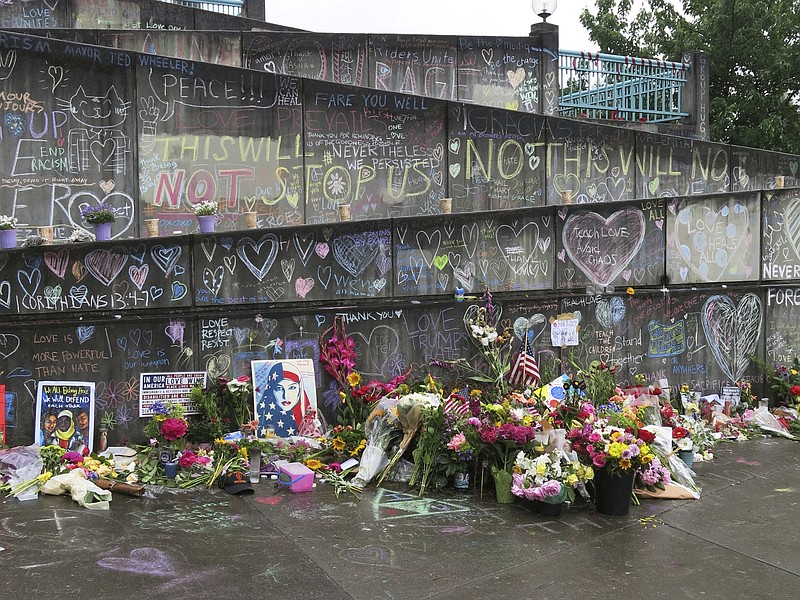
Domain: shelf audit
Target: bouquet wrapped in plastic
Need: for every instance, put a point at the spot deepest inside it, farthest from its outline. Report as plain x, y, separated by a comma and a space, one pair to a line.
21, 471
382, 423
682, 483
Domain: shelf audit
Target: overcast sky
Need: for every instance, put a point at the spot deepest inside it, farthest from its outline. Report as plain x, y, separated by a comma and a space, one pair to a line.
511, 18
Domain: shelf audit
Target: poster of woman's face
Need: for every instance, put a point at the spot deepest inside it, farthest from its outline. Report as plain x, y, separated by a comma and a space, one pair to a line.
286, 400
65, 414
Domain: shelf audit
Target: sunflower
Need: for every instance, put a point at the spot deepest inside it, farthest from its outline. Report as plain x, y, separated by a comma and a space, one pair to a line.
338, 444
354, 378
313, 464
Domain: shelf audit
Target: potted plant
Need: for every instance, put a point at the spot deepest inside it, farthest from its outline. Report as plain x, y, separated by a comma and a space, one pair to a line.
100, 216
616, 454
8, 232
206, 214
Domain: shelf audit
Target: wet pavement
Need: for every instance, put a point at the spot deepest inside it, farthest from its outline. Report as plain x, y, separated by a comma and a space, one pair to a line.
737, 540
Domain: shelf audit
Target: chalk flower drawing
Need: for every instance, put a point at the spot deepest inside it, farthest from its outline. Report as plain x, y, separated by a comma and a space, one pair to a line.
336, 185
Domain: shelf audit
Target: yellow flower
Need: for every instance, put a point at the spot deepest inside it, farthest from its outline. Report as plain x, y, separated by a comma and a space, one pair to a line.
361, 445
793, 371
474, 392
588, 473
338, 444
615, 435
354, 379
243, 452
91, 463
625, 463
44, 477
616, 449
313, 464
541, 469
527, 420
630, 291
343, 397
644, 449
104, 470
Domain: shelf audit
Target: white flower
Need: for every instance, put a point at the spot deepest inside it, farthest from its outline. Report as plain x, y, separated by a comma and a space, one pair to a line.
8, 222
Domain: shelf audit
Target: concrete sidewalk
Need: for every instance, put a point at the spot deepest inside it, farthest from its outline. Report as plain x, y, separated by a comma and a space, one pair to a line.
737, 540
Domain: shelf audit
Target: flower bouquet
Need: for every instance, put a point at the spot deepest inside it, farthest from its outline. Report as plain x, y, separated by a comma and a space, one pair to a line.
552, 477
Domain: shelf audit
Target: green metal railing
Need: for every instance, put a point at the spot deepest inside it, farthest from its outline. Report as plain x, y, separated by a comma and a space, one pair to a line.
228, 7
605, 86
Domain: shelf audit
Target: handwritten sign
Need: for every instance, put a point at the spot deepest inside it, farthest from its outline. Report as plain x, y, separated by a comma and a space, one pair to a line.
564, 332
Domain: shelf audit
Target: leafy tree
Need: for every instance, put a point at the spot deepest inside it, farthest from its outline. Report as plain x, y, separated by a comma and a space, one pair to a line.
754, 51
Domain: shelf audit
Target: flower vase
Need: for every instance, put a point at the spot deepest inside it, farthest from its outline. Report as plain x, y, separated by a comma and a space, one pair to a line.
547, 509
171, 469
255, 465
461, 480
502, 486
687, 456
102, 231
8, 238
206, 223
613, 491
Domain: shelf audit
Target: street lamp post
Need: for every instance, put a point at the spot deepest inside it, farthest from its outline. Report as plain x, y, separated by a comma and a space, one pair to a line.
544, 8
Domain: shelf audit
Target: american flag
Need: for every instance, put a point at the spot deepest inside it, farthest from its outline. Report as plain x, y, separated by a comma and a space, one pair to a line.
524, 371
456, 405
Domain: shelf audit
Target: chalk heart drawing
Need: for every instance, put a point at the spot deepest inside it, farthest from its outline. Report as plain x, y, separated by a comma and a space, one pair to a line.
5, 294
9, 343
150, 561
355, 251
465, 275
322, 249
614, 242
511, 237
732, 331
105, 265
791, 215
258, 256
711, 241
567, 183
377, 348
304, 244
85, 333
138, 275
610, 311
213, 279
179, 290
471, 236
218, 365
57, 262
531, 326
374, 556
428, 244
165, 257
303, 286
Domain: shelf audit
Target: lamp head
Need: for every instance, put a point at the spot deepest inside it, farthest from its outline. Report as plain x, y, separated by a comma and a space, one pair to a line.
544, 8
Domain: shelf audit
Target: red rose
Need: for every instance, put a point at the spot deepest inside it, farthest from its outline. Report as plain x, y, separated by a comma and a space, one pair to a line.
678, 433
646, 436
795, 390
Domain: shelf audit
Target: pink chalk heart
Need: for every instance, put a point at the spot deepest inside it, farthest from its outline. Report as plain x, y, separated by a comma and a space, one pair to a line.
322, 249
303, 286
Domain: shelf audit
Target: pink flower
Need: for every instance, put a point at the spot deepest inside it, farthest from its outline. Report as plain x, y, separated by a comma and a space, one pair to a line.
335, 467
550, 488
474, 421
173, 429
243, 379
72, 457
599, 460
187, 460
595, 437
456, 442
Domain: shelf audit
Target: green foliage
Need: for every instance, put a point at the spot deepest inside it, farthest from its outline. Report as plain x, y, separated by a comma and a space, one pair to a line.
753, 48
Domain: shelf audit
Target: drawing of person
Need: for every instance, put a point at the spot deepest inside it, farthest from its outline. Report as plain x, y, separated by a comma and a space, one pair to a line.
284, 401
82, 421
49, 422
311, 425
65, 434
